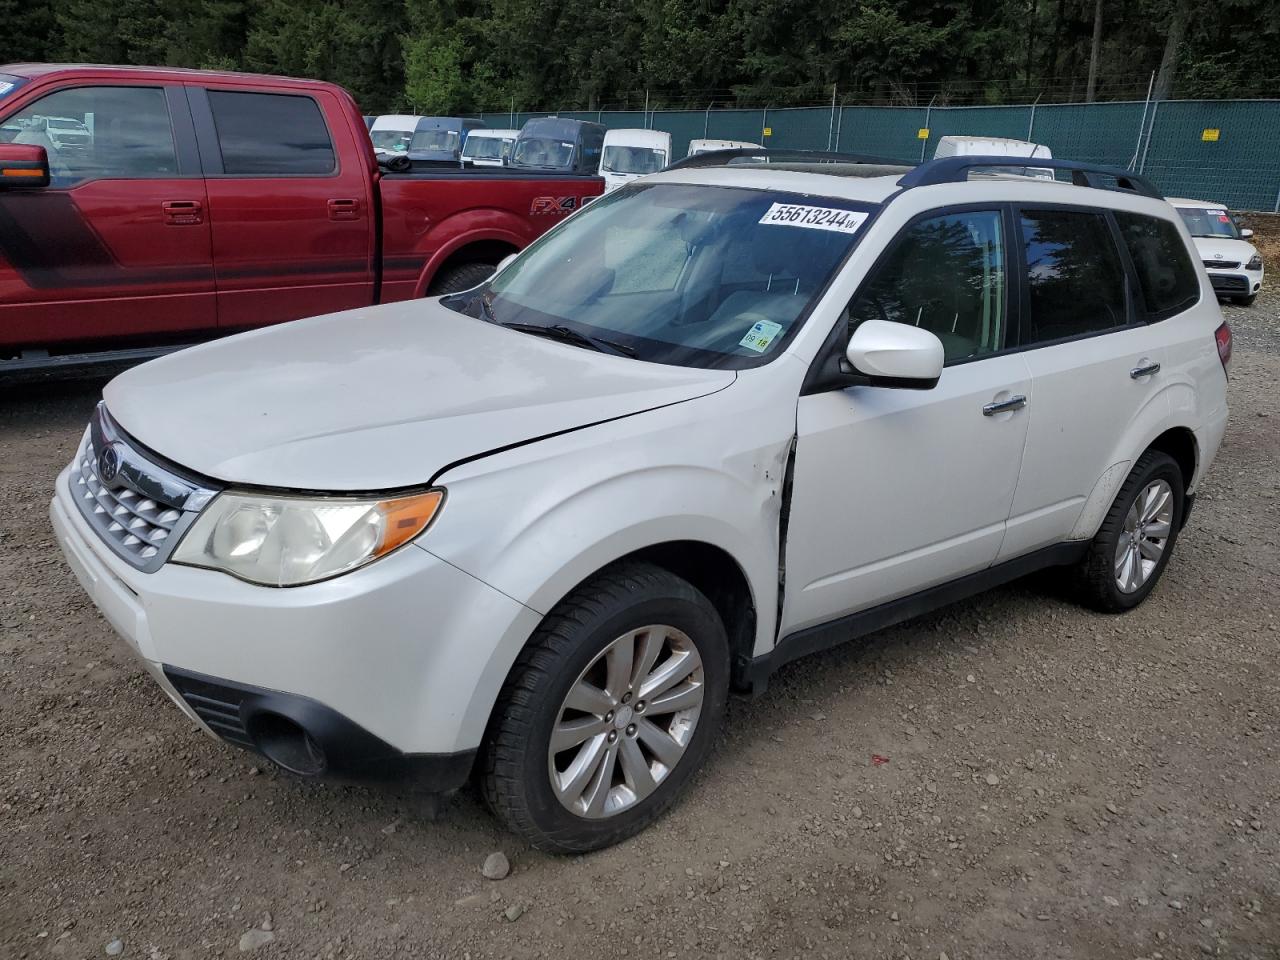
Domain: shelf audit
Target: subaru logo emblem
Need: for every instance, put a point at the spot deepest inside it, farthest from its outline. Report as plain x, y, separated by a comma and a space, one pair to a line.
108, 464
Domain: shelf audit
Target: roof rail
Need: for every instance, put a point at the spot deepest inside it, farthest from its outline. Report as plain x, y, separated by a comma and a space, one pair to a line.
1096, 175
724, 158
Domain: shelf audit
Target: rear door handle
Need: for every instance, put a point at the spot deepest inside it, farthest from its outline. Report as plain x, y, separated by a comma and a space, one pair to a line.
1016, 402
1145, 368
183, 213
344, 209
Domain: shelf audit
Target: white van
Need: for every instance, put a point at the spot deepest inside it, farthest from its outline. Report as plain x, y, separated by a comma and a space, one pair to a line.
996, 147
391, 134
706, 146
630, 154
488, 148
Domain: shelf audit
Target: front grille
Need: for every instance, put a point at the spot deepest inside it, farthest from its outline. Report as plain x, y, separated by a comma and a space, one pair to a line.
139, 508
1229, 283
1222, 264
214, 703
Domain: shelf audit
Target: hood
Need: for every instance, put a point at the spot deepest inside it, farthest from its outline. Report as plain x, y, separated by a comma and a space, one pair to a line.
1223, 248
378, 398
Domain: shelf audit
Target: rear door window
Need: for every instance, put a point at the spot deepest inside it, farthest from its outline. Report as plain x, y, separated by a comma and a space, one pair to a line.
1076, 283
271, 135
1166, 273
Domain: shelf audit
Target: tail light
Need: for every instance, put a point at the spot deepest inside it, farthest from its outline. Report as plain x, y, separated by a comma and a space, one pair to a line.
1222, 337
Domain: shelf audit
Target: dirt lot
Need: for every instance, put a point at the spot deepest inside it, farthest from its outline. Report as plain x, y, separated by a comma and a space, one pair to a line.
1058, 784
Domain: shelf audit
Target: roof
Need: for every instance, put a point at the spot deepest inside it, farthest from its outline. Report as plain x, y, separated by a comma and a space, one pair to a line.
637, 137
1184, 202
35, 71
818, 179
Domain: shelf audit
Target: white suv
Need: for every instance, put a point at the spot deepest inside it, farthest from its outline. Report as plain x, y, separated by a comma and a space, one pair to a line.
719, 419
1234, 264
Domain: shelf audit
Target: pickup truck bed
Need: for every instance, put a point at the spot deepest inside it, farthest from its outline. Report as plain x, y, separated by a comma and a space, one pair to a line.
205, 203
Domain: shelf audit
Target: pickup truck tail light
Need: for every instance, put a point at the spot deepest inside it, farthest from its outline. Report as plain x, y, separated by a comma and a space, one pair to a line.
1222, 337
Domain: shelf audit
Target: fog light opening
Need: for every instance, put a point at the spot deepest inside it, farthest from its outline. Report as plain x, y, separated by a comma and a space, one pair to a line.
287, 745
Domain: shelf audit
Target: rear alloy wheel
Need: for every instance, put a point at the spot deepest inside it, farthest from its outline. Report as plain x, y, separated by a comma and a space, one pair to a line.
1133, 545
608, 711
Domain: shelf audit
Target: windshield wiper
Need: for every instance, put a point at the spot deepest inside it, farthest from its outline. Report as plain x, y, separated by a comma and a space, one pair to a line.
566, 334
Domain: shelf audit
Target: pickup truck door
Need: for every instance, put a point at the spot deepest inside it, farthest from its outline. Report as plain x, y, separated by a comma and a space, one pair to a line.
290, 203
896, 490
118, 245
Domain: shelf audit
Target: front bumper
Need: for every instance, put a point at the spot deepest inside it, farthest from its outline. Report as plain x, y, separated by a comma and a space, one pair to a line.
1235, 283
392, 664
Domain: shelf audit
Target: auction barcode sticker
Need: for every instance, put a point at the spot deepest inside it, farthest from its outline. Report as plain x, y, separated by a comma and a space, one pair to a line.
814, 218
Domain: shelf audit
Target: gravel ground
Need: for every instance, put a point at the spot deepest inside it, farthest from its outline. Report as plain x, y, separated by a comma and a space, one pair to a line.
1058, 783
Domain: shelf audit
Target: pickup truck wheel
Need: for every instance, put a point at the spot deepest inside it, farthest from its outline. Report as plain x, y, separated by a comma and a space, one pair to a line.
1133, 545
462, 277
608, 711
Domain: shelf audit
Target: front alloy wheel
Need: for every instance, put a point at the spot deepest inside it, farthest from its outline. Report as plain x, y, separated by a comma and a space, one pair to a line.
608, 711
626, 721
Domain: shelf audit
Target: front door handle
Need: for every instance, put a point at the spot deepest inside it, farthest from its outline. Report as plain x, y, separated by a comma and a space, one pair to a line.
183, 213
1145, 368
344, 209
1016, 402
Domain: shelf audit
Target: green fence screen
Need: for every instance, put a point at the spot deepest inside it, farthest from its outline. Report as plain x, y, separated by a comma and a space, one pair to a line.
1226, 151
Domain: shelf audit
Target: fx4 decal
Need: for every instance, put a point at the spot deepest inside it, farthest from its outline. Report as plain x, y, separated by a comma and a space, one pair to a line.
554, 205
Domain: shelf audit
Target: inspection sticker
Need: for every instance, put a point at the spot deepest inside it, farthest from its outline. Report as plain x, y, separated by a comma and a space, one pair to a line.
814, 218
761, 334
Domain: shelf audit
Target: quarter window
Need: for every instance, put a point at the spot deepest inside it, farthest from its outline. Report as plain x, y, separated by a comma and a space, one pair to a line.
1075, 282
1165, 272
945, 275
270, 134
96, 133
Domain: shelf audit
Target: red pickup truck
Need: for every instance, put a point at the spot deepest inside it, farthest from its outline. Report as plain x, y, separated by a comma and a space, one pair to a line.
142, 208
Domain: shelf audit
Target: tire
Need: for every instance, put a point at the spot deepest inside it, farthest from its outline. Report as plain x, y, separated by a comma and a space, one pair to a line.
571, 650
1100, 573
462, 277
1244, 301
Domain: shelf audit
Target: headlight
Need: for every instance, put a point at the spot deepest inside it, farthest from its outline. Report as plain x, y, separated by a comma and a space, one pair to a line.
286, 541
1255, 263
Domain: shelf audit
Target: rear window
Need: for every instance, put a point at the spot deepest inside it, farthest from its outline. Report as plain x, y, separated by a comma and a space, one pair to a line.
1166, 273
1075, 283
270, 134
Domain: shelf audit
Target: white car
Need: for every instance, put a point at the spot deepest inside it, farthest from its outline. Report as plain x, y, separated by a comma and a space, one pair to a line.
697, 147
1233, 263
631, 154
488, 148
538, 530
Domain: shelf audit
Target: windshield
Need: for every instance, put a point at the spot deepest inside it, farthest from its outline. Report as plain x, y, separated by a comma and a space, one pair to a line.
692, 275
639, 160
431, 141
393, 141
485, 148
1209, 222
541, 152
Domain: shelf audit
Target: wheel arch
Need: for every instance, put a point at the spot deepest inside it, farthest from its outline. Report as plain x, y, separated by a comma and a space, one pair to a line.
477, 246
709, 567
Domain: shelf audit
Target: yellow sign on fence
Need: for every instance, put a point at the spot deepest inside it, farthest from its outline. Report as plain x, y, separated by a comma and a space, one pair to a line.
922, 133
768, 131
1210, 134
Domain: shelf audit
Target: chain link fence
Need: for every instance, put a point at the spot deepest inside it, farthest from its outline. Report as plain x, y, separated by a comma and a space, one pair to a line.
1226, 151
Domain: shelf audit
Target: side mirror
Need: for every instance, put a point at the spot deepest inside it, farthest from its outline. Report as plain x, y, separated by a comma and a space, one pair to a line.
895, 355
1246, 233
23, 166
